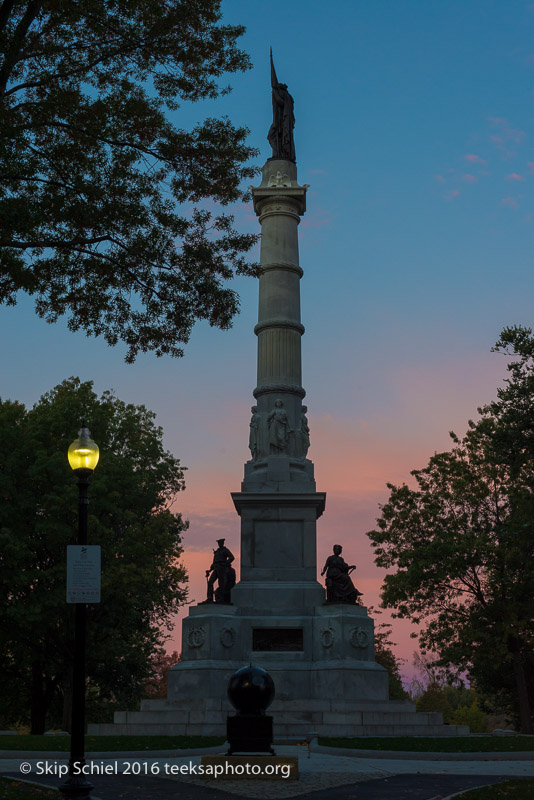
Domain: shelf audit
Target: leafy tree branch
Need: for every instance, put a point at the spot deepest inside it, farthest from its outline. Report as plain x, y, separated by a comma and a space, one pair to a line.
99, 183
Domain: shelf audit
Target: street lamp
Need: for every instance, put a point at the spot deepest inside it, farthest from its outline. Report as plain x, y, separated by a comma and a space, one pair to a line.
83, 458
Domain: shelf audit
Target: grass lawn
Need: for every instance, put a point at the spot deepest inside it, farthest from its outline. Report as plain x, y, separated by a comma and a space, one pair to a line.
522, 789
97, 744
454, 744
101, 744
12, 790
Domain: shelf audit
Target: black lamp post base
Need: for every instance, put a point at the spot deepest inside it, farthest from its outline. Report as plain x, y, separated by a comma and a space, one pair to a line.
76, 786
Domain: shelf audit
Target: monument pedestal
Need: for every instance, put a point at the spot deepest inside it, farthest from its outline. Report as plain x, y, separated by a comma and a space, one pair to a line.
324, 651
279, 619
325, 676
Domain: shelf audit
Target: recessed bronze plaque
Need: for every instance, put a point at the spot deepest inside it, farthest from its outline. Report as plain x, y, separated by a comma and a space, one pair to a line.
281, 639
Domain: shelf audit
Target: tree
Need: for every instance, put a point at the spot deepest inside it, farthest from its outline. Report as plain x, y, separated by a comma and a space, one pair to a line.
92, 167
385, 656
437, 691
142, 578
462, 543
157, 684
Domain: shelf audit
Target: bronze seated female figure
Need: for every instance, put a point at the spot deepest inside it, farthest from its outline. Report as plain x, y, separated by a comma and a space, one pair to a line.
339, 586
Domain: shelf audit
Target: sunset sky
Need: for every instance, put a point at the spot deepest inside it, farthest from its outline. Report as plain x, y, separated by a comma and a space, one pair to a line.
415, 131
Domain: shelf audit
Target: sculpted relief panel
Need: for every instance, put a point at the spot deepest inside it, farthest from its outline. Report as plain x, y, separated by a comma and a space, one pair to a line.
271, 433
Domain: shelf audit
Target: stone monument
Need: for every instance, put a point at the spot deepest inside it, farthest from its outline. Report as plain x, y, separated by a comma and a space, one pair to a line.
320, 654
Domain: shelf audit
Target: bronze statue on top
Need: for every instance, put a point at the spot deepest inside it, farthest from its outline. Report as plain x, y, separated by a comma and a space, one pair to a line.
280, 134
339, 586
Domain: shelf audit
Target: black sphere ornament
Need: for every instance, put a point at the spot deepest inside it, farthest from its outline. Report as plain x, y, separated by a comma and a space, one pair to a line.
251, 690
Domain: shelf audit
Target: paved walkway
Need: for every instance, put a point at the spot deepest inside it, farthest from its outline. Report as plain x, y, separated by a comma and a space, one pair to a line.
398, 787
322, 775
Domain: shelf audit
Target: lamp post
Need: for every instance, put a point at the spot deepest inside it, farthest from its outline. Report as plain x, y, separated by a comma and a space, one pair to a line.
83, 458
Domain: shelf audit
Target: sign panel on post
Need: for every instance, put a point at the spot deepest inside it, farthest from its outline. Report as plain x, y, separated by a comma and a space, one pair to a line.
83, 573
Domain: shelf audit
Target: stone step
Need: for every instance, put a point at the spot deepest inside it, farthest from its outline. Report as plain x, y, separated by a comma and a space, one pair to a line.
130, 729
187, 704
156, 705
397, 717
280, 706
281, 729
388, 706
349, 730
385, 729
156, 729
284, 716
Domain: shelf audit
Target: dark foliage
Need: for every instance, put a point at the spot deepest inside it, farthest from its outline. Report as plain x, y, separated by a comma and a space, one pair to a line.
129, 516
93, 171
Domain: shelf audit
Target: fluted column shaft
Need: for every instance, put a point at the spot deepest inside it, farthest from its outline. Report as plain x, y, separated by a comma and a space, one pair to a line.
279, 433
279, 328
279, 203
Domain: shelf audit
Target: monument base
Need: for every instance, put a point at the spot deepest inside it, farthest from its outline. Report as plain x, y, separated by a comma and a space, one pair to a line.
326, 678
291, 719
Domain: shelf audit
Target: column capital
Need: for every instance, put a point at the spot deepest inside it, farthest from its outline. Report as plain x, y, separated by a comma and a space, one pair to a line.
279, 184
289, 196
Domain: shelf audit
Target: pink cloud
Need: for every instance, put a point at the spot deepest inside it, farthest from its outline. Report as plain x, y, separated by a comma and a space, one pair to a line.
439, 178
469, 178
505, 135
473, 159
531, 166
452, 194
510, 202
513, 176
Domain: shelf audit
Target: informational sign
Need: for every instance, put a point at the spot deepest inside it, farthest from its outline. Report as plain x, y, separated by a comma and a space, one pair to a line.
83, 573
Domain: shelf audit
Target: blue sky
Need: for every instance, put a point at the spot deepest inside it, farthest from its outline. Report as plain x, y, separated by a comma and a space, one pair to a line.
415, 130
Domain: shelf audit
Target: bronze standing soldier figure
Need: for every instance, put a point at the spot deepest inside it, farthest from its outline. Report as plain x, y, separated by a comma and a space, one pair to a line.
221, 570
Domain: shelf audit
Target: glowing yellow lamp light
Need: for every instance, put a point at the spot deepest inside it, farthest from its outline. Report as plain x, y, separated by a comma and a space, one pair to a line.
83, 452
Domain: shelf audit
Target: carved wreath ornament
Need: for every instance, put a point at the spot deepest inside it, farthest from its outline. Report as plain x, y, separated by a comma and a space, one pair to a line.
358, 637
227, 637
327, 637
196, 637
